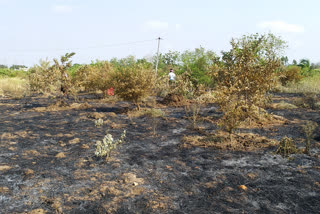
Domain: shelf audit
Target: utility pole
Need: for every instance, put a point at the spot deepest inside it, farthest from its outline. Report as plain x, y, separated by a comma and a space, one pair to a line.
158, 55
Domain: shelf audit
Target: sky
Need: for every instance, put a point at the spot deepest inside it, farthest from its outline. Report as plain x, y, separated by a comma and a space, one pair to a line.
31, 30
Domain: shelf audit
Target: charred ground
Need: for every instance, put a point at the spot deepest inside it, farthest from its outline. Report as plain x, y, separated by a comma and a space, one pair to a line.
47, 161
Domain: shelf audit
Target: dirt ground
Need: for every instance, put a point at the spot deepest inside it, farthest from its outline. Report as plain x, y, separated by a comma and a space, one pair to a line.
47, 161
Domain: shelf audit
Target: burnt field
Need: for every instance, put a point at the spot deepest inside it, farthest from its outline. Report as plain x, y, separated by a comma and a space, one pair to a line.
165, 165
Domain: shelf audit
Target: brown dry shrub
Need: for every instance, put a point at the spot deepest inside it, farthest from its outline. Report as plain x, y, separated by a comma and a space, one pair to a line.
287, 147
132, 83
225, 141
290, 74
42, 79
244, 75
53, 79
94, 77
308, 100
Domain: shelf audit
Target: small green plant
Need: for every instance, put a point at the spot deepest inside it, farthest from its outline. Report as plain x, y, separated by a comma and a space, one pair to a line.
98, 122
308, 130
287, 147
104, 147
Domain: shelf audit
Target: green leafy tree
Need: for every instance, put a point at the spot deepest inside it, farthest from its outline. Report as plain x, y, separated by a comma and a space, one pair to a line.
167, 60
17, 67
197, 63
294, 62
285, 60
304, 64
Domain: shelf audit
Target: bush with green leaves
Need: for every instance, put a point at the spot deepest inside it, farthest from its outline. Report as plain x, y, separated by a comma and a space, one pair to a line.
6, 72
193, 64
244, 75
197, 64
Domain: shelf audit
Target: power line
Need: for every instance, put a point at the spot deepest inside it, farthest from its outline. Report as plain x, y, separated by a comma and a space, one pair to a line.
158, 54
85, 48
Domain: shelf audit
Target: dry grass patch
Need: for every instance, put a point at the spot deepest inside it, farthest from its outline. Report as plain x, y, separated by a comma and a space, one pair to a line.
308, 100
13, 87
62, 106
152, 112
225, 141
5, 168
307, 85
264, 120
283, 105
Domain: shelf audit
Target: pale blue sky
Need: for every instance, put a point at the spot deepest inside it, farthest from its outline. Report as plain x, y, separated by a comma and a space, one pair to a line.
35, 29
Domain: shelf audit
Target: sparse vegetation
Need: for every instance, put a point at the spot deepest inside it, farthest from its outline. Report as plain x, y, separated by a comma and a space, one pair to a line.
105, 147
308, 129
287, 147
98, 123
192, 112
52, 138
308, 100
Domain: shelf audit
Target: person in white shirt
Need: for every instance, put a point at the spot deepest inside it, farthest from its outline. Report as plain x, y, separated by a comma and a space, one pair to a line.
172, 76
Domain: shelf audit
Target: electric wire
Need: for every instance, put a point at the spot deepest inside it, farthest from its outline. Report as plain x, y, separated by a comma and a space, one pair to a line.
84, 48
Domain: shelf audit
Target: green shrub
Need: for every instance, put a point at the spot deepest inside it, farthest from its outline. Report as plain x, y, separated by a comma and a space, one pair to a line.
5, 72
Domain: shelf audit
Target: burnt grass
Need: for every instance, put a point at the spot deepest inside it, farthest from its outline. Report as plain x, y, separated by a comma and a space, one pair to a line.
47, 162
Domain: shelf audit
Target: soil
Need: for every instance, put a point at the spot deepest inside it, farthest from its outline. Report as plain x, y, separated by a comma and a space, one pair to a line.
48, 165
